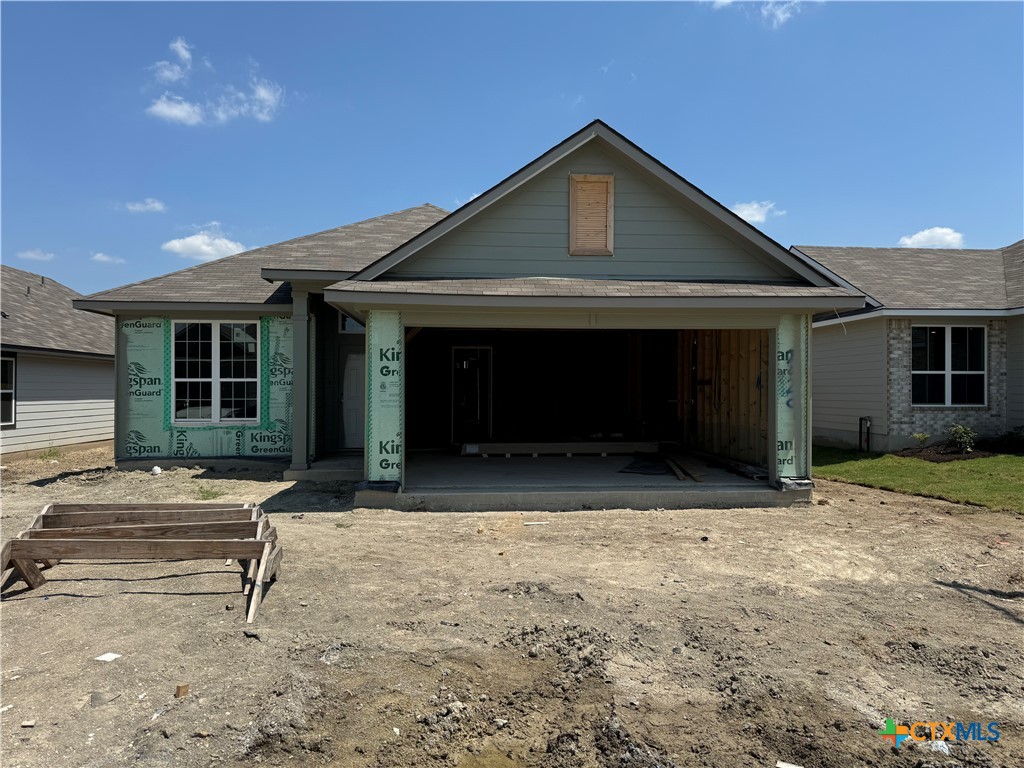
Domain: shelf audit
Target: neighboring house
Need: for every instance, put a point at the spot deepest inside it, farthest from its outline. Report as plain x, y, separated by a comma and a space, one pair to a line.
940, 342
57, 363
593, 295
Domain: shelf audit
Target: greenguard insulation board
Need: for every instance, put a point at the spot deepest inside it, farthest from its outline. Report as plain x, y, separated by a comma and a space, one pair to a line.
385, 340
145, 392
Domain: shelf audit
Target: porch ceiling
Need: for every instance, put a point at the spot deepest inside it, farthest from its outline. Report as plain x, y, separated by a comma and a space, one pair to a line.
577, 293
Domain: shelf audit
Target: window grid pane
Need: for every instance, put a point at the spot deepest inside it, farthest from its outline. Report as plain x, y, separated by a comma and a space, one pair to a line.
968, 389
928, 348
216, 383
929, 389
6, 408
7, 375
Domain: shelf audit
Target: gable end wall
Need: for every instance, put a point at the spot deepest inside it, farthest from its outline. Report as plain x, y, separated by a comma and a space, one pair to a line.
657, 234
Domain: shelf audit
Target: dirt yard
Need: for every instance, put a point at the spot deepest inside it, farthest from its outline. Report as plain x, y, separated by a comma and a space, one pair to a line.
604, 638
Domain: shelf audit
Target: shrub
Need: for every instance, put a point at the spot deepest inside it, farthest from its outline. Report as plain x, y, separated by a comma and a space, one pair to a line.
962, 437
922, 438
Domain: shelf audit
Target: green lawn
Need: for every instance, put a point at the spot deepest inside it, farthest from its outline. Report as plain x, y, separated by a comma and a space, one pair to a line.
994, 481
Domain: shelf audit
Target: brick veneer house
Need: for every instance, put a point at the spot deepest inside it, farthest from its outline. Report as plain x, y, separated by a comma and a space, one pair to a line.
940, 342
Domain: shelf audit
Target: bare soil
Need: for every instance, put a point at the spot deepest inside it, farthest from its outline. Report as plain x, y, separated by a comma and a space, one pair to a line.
604, 638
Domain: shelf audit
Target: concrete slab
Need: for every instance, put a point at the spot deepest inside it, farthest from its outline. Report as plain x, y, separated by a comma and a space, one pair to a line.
331, 469
437, 482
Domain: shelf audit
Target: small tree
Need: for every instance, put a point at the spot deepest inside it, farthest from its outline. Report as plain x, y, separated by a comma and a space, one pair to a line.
922, 438
962, 437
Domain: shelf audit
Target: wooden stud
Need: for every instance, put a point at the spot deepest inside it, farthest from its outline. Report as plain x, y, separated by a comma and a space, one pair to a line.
257, 587
123, 517
251, 565
67, 508
28, 570
276, 555
151, 549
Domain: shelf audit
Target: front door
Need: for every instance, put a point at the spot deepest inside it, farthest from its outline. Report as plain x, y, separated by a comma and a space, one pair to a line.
471, 394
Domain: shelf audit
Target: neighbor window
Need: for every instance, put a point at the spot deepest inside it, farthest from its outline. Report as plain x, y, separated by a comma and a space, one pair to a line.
6, 391
948, 364
216, 372
591, 209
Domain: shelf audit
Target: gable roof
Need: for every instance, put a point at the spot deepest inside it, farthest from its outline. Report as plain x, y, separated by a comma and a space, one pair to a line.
238, 279
612, 140
37, 314
924, 278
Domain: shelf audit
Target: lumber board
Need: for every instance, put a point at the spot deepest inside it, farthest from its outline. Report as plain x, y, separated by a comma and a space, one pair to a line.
147, 549
67, 508
676, 469
241, 529
276, 555
252, 564
519, 449
5, 557
103, 517
256, 597
28, 570
692, 468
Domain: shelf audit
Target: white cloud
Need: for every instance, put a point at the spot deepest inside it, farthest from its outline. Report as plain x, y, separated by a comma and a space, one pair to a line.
149, 205
172, 72
778, 12
605, 67
933, 237
103, 258
756, 212
182, 50
36, 254
260, 102
175, 109
207, 244
775, 13
221, 102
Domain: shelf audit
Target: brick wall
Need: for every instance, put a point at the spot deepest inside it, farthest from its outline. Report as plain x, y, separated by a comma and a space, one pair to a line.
906, 419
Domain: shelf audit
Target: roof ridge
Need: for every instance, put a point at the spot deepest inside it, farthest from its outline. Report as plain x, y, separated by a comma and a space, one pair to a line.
899, 248
46, 277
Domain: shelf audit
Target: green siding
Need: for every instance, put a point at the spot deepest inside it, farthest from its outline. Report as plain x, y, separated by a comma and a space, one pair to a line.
658, 234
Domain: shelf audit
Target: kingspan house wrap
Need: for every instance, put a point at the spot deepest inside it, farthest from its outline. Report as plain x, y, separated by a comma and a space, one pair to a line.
592, 298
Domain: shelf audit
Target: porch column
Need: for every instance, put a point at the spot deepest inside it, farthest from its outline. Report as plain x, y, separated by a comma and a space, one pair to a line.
792, 399
385, 396
300, 380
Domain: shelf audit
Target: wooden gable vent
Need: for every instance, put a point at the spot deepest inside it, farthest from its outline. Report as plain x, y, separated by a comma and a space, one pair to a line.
591, 207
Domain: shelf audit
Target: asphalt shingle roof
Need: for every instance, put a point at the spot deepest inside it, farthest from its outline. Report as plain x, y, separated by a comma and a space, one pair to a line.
568, 287
922, 278
236, 279
37, 313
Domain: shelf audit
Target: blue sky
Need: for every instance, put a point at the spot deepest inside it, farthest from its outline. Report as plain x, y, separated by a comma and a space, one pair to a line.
142, 138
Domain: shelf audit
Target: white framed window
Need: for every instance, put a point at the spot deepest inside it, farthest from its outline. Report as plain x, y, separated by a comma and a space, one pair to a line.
7, 387
216, 371
591, 215
948, 364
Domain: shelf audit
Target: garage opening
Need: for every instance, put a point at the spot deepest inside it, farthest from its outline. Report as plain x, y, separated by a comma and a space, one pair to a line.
705, 390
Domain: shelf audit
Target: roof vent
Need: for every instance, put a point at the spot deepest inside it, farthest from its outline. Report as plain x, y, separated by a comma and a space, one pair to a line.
28, 290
